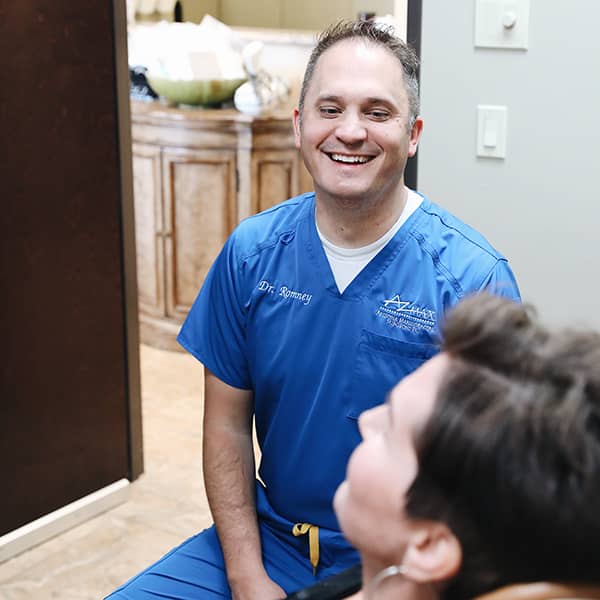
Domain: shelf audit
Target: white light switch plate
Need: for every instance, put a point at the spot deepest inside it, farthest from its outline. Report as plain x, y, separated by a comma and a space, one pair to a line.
502, 24
491, 131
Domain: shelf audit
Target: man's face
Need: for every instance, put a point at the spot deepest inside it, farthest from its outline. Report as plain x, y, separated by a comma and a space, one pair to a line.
353, 130
369, 504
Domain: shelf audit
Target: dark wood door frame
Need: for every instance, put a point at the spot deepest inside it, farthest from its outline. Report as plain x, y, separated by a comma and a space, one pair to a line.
129, 278
413, 37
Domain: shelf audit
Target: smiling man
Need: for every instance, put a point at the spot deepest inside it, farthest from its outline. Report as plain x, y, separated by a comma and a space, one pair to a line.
311, 313
356, 131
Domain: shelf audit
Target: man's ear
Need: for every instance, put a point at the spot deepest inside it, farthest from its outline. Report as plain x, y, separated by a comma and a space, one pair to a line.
415, 136
296, 121
433, 553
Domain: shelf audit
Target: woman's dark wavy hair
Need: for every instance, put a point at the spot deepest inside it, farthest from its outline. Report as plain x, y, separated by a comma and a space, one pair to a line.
510, 458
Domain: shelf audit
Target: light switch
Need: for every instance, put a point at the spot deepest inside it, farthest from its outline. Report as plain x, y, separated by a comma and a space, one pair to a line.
502, 24
491, 131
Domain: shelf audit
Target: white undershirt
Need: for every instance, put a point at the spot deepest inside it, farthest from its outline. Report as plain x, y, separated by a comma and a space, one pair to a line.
347, 263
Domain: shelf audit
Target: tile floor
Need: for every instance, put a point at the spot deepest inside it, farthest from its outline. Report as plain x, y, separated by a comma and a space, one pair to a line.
167, 503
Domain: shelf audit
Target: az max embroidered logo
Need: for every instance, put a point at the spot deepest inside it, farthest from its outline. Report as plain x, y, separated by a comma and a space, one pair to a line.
397, 303
406, 315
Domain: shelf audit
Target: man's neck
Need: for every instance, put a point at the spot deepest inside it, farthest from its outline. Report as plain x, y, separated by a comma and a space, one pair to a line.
352, 223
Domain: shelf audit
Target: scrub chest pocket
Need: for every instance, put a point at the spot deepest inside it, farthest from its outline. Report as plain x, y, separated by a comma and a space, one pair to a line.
380, 363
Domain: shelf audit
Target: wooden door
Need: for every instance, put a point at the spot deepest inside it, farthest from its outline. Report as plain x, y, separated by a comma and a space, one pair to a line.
69, 381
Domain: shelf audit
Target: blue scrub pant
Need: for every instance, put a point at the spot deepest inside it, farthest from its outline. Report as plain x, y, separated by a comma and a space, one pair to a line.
196, 569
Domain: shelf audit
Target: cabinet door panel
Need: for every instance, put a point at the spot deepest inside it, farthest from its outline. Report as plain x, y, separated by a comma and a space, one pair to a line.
274, 177
200, 212
148, 228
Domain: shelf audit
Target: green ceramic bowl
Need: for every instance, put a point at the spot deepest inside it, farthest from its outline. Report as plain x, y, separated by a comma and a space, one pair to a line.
196, 92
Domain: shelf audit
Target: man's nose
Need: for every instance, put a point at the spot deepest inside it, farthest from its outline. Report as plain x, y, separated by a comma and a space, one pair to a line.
351, 128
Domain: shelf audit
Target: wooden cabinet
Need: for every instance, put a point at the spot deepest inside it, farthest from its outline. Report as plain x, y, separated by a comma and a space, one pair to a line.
199, 212
197, 173
274, 174
148, 228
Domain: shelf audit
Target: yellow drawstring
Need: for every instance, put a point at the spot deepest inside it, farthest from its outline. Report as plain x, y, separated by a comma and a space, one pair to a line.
313, 541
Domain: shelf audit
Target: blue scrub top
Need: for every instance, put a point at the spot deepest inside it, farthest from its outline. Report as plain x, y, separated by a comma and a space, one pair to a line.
270, 318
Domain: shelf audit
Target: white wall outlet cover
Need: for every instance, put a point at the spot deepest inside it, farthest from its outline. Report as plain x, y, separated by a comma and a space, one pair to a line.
502, 24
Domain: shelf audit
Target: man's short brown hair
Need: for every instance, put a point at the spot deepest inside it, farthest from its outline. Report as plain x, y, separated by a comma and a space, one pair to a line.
374, 33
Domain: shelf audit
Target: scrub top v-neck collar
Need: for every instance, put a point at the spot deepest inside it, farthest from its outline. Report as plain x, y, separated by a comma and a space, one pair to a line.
363, 282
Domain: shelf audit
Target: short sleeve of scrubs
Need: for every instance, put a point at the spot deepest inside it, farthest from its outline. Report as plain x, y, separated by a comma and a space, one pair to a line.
214, 330
501, 282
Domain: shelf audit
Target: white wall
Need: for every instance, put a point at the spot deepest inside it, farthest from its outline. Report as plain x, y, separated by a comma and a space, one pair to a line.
541, 205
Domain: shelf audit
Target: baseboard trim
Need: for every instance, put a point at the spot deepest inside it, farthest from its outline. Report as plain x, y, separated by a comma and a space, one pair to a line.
58, 521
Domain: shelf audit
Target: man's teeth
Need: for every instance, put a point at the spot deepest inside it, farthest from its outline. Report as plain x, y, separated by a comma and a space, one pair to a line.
350, 159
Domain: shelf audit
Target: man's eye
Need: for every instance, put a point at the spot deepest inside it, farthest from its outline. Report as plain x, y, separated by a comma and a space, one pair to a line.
329, 111
378, 115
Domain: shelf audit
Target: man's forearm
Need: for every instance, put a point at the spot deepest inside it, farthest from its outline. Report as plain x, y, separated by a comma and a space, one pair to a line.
229, 476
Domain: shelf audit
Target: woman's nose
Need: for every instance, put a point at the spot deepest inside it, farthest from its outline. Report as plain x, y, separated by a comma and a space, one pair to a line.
368, 421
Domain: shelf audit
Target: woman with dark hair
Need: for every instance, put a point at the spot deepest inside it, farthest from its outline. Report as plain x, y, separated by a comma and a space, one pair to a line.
482, 470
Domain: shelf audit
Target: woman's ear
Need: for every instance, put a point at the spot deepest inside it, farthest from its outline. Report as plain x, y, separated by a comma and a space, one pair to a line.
433, 553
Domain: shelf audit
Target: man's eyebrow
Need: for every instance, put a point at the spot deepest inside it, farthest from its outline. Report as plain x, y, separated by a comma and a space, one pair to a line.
378, 100
370, 101
328, 98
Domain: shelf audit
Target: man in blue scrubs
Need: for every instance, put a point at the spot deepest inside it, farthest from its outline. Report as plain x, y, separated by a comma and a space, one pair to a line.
311, 313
